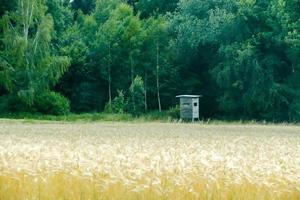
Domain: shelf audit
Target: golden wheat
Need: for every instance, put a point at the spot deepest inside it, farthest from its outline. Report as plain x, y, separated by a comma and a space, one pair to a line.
54, 161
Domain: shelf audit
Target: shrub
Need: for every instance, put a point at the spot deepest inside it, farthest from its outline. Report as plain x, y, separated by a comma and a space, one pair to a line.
174, 112
117, 105
4, 104
52, 103
135, 103
14, 103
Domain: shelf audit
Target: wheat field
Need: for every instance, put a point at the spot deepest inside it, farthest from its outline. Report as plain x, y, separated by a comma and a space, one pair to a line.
93, 161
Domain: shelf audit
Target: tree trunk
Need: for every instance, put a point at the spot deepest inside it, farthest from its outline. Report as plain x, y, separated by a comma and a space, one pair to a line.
145, 88
109, 74
27, 14
132, 79
157, 77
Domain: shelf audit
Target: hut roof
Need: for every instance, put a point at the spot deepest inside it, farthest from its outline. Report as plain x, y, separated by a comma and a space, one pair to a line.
188, 96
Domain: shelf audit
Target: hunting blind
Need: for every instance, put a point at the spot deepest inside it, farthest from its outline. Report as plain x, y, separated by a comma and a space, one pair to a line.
189, 107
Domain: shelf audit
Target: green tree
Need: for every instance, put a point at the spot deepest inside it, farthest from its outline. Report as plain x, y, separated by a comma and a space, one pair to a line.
254, 71
62, 17
156, 47
290, 19
82, 83
107, 43
131, 36
117, 44
26, 58
86, 6
200, 27
148, 8
117, 105
104, 8
6, 6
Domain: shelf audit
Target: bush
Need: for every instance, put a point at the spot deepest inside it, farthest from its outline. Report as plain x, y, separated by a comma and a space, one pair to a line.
174, 112
4, 104
117, 105
135, 104
52, 103
14, 104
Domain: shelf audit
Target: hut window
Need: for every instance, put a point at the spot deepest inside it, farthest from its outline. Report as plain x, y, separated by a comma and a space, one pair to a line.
195, 104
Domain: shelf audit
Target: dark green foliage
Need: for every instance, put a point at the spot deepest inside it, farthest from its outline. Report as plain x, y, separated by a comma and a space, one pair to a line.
61, 14
253, 73
153, 7
14, 104
117, 105
86, 6
51, 103
243, 56
46, 102
6, 6
237, 50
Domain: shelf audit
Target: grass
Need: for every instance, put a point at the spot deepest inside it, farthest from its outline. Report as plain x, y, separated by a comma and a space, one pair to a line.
152, 116
70, 117
91, 117
117, 160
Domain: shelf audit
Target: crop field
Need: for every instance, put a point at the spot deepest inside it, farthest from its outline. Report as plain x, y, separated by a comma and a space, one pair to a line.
91, 161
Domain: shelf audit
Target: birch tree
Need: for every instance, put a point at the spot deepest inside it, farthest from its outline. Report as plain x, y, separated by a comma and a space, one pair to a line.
26, 59
107, 42
157, 34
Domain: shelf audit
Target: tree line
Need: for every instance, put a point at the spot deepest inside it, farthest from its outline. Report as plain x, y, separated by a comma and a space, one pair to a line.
243, 56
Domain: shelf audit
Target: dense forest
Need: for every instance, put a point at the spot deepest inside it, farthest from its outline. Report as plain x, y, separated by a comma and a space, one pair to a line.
60, 56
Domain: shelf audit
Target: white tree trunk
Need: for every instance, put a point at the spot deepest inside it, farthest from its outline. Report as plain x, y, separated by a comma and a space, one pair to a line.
145, 88
109, 74
157, 77
132, 79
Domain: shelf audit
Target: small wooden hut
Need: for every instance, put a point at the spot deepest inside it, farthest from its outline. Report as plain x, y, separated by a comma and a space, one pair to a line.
189, 107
